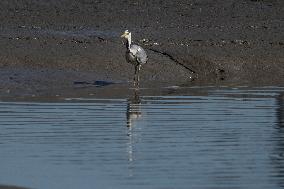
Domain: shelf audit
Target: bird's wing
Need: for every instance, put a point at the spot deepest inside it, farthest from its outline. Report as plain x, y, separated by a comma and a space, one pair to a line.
139, 53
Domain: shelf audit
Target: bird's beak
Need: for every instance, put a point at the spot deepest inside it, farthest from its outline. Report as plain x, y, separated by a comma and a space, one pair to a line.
123, 35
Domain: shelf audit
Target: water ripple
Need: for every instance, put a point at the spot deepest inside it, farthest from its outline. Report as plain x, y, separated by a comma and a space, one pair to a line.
231, 138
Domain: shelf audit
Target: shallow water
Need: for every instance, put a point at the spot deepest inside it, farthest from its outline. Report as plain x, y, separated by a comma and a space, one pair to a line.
224, 138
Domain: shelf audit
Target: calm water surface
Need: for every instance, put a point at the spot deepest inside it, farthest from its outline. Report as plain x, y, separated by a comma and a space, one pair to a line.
225, 138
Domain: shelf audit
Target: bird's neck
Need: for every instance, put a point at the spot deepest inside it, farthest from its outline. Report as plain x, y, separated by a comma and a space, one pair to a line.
129, 41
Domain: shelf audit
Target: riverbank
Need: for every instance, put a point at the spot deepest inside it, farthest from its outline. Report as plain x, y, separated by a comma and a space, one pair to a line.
58, 45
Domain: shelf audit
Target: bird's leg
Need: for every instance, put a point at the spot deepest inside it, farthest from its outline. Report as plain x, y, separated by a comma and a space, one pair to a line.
139, 68
136, 75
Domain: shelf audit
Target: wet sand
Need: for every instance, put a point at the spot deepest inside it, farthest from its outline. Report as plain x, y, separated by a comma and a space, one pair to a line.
55, 47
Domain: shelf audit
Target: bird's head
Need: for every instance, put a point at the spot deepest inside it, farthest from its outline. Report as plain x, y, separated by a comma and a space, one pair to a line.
125, 34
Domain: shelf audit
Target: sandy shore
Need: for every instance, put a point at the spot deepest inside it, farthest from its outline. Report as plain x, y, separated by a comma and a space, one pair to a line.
54, 46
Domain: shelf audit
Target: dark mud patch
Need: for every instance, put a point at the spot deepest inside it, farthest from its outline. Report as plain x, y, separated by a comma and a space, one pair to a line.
11, 187
95, 83
173, 59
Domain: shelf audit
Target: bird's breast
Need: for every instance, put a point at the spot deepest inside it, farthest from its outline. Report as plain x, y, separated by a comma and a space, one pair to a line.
131, 58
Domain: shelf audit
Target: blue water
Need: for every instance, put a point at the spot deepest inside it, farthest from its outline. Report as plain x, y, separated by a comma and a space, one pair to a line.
218, 138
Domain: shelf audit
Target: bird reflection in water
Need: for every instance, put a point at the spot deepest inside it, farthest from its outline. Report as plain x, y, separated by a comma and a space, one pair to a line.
133, 114
133, 109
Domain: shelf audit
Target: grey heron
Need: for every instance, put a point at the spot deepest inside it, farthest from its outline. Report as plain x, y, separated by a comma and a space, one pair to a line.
135, 55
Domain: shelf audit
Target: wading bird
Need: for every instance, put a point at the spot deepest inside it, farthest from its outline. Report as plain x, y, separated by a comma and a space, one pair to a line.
135, 55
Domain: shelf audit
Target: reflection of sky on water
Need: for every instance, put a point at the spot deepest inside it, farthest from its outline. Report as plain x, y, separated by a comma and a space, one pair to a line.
230, 138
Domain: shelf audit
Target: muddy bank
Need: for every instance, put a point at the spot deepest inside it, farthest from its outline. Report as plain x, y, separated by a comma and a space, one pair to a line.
52, 45
11, 187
